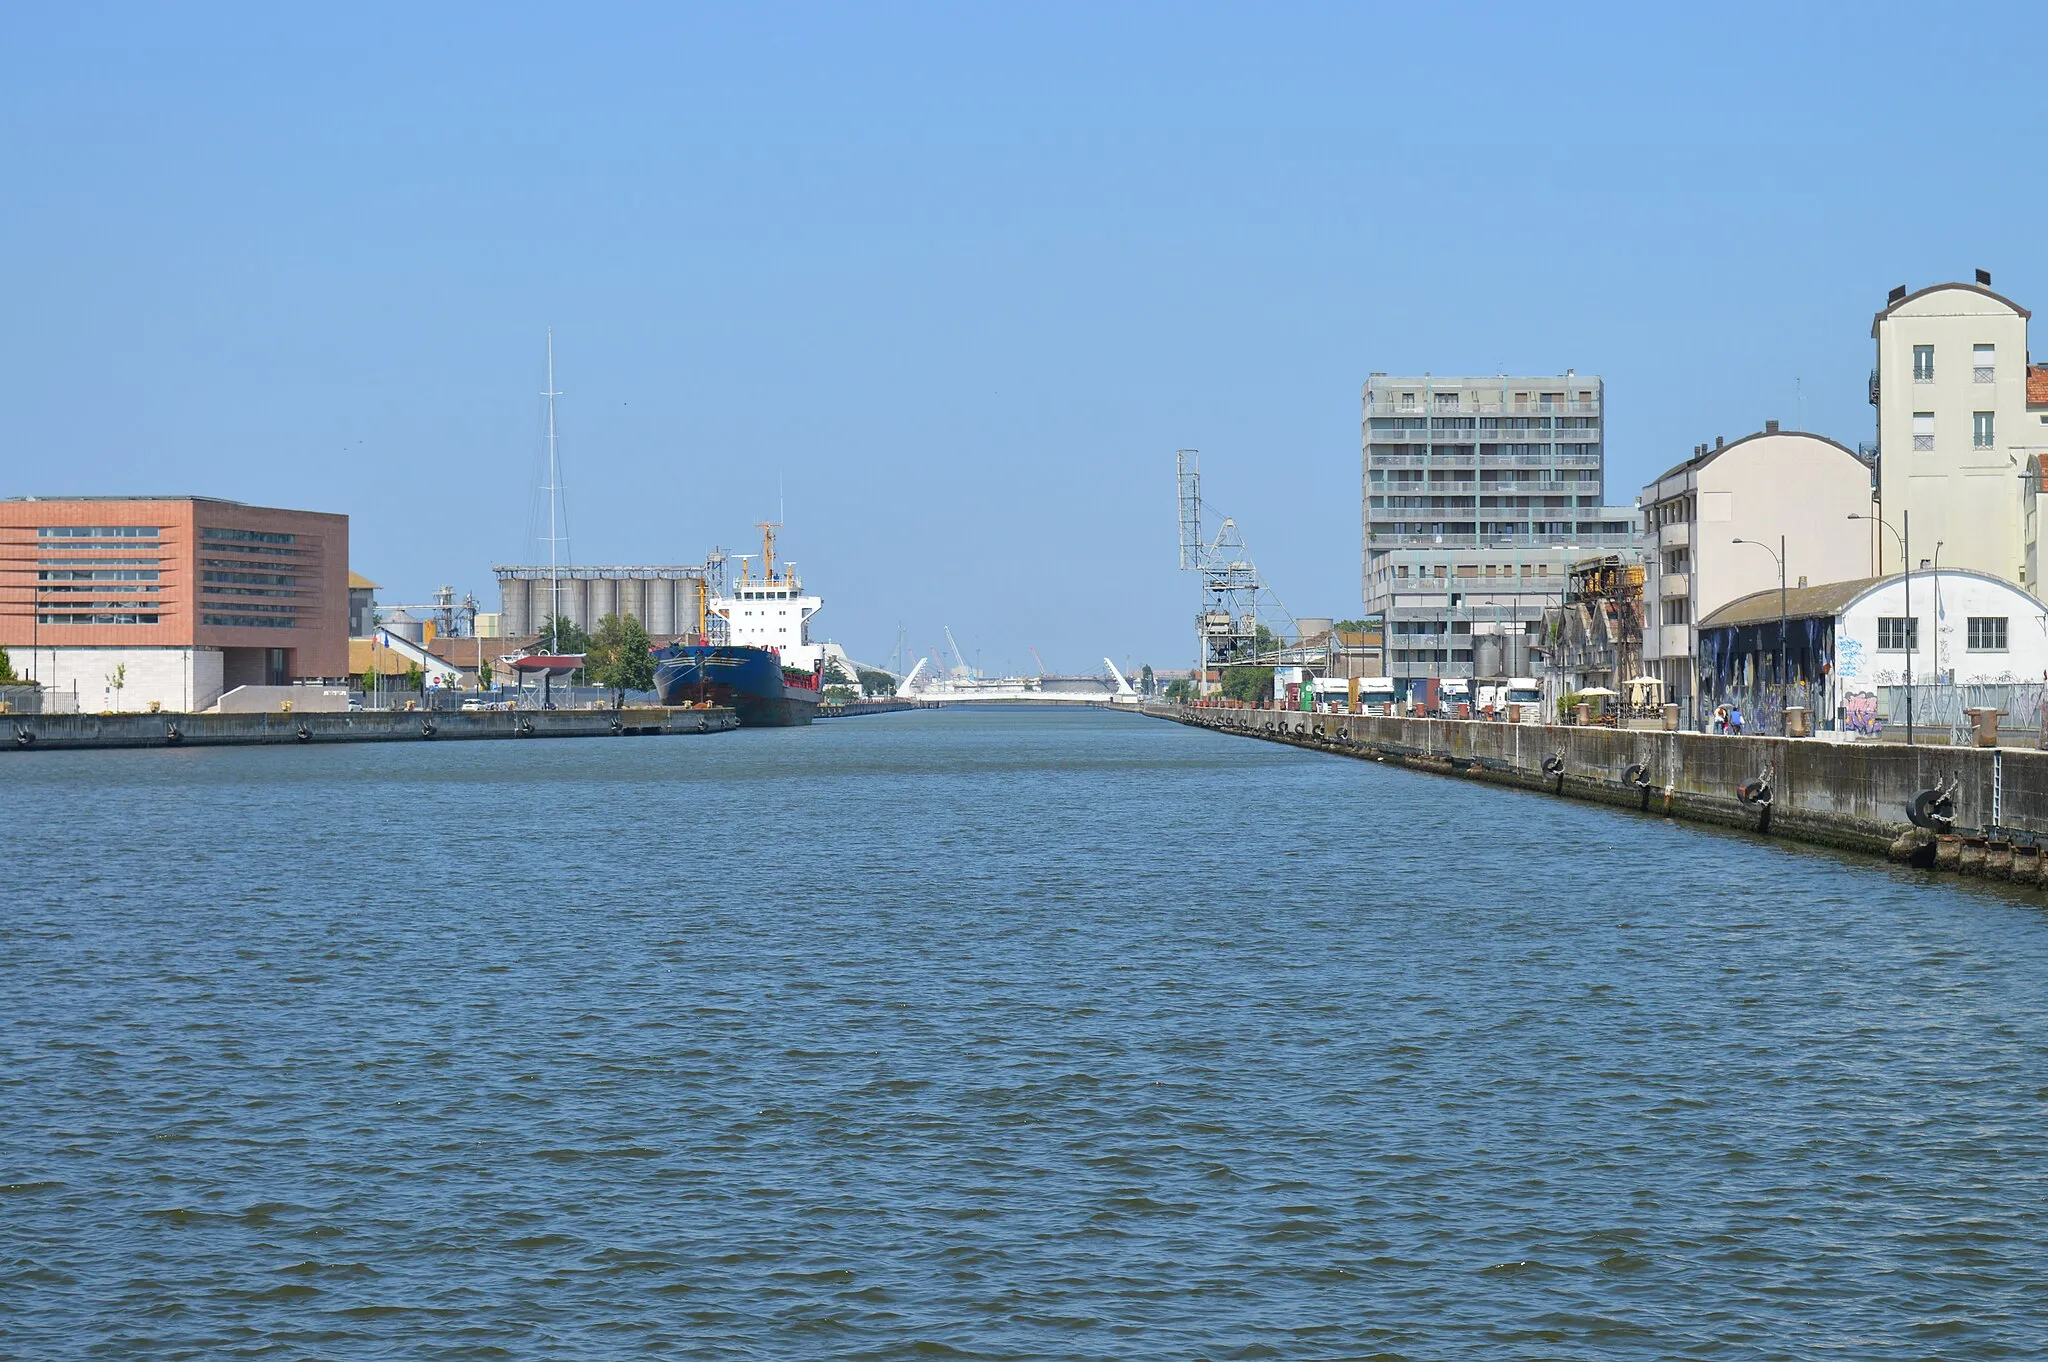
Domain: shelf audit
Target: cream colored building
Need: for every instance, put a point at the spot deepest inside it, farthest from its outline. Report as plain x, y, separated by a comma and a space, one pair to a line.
1953, 429
1771, 486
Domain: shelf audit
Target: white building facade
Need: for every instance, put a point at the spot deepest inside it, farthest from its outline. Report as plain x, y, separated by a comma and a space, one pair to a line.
1774, 488
1850, 640
1953, 433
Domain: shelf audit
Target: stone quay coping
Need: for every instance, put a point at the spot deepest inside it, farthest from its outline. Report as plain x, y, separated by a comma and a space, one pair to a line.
70, 732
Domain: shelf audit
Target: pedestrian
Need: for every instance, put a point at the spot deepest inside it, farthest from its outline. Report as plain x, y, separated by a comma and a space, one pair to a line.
1735, 720
1720, 718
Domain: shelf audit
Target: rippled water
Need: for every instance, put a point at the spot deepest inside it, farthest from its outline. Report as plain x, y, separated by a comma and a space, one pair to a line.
986, 1035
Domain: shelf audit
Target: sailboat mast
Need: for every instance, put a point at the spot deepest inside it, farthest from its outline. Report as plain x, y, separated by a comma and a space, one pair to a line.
554, 503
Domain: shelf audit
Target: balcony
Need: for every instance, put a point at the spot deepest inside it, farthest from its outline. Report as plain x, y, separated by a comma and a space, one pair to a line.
1984, 374
1676, 535
1674, 584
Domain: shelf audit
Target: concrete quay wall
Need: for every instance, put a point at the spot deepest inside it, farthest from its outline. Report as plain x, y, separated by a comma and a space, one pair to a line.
65, 732
1852, 795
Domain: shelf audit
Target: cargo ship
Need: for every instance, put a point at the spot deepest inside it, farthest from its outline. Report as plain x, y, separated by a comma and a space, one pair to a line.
765, 666
751, 681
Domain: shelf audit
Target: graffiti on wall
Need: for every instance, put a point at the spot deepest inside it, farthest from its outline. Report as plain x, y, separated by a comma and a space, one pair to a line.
1859, 714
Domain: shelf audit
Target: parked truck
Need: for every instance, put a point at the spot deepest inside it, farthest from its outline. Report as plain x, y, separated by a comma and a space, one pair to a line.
1511, 697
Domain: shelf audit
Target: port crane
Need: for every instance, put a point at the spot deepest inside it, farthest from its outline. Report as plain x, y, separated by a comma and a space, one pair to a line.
1233, 593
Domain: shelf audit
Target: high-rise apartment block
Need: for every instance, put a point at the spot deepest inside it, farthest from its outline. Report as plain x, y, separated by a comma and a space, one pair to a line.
1479, 494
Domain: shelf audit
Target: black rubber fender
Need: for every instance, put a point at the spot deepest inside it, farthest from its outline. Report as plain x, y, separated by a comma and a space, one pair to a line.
171, 733
305, 734
1756, 792
1637, 774
1553, 766
525, 728
428, 728
23, 738
1932, 809
618, 727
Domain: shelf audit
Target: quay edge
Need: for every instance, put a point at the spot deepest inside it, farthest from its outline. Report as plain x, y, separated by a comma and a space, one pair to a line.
1852, 796
74, 732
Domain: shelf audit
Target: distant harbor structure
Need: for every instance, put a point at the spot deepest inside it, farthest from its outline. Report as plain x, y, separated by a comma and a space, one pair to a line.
669, 601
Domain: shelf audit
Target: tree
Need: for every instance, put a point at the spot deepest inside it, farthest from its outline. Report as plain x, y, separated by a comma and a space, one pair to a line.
7, 676
877, 683
1180, 690
117, 681
839, 695
564, 638
1248, 684
483, 674
835, 675
620, 657
415, 679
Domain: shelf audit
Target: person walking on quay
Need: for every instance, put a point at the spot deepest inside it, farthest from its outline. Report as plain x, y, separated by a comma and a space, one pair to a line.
1735, 720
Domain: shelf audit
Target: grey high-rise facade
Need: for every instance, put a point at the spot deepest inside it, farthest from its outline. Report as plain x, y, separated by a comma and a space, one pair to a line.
1479, 493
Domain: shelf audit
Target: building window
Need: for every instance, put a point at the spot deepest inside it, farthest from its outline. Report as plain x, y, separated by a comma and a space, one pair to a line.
1983, 363
96, 532
1923, 430
1678, 610
1983, 429
249, 536
1446, 401
1923, 364
1987, 633
1898, 635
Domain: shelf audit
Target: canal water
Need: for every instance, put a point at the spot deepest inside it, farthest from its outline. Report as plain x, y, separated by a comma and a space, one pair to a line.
991, 1035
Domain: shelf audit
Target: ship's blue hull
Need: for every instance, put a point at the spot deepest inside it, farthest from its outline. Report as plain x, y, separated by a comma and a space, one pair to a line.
747, 679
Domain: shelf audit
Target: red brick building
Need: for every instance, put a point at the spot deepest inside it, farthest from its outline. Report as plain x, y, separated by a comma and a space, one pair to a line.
182, 598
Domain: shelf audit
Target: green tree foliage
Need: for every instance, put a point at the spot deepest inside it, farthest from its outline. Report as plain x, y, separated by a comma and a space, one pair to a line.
415, 679
564, 638
835, 675
483, 674
1180, 690
7, 676
839, 695
620, 656
1249, 684
1353, 626
877, 683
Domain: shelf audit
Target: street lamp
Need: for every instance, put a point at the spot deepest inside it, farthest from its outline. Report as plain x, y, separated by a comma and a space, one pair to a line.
1779, 558
1903, 532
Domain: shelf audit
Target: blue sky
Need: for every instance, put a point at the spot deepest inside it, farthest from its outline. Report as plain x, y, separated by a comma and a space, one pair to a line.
959, 278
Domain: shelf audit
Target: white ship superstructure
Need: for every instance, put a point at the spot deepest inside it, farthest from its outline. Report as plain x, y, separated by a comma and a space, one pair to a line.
770, 610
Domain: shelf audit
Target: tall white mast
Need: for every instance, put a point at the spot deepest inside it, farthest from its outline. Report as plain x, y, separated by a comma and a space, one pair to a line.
554, 504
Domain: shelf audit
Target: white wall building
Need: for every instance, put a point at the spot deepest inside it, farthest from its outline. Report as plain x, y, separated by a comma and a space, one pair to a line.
1953, 433
1848, 639
1771, 486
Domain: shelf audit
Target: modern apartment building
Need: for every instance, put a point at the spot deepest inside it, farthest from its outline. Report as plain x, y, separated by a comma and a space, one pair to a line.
1479, 494
178, 598
1953, 433
1776, 490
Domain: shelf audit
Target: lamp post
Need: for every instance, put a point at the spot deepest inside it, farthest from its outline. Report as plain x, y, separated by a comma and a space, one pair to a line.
1779, 558
1904, 533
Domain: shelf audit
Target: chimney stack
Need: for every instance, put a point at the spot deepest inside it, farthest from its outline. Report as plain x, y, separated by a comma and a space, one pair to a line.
1717, 442
1984, 278
1770, 427
1895, 295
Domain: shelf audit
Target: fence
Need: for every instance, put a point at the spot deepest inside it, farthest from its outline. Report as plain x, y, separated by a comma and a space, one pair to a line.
1943, 708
